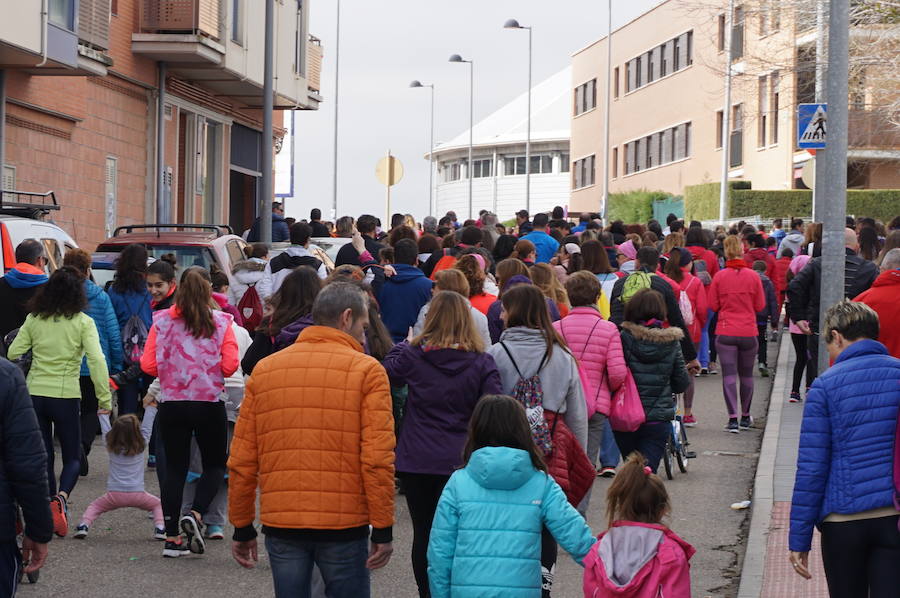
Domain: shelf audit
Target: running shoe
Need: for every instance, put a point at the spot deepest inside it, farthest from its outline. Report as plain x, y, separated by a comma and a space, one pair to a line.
194, 532
733, 426
713, 369
215, 532
689, 421
795, 398
607, 472
151, 462
59, 509
763, 370
159, 533
703, 372
81, 532
174, 550
746, 422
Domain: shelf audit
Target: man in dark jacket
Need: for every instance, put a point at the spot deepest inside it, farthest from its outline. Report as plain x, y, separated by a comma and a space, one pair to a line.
20, 284
367, 226
280, 230
648, 261
319, 230
469, 237
23, 480
404, 293
804, 292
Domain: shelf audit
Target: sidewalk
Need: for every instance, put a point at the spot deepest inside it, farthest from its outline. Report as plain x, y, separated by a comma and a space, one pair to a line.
766, 572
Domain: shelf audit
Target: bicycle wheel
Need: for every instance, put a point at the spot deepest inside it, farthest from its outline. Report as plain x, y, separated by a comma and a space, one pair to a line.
667, 457
681, 449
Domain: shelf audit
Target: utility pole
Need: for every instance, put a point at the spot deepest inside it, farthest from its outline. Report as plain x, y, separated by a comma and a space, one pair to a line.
833, 192
337, 81
726, 115
265, 199
162, 207
821, 47
604, 208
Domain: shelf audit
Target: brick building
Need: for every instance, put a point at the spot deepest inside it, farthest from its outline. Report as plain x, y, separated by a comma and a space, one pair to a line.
82, 91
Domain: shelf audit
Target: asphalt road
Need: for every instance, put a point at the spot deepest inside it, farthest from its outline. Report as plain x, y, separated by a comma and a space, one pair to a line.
120, 558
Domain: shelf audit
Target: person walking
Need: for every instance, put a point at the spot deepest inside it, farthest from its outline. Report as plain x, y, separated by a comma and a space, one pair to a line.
454, 280
447, 371
317, 505
799, 340
736, 294
296, 255
319, 230
280, 232
597, 346
529, 347
884, 298
794, 239
845, 465
23, 482
247, 273
653, 355
403, 294
544, 244
191, 348
19, 284
131, 301
59, 334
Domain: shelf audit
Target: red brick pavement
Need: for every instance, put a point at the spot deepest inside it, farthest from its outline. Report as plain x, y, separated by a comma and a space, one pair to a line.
780, 580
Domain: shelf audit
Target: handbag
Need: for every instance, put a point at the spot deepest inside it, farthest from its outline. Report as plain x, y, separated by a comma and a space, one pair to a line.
568, 464
626, 414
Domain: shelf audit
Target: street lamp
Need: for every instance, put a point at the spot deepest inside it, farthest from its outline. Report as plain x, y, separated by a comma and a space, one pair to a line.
458, 58
418, 83
514, 24
337, 81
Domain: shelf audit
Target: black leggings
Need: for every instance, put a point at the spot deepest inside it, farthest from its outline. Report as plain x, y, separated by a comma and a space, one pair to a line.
179, 421
862, 557
90, 425
713, 322
549, 553
799, 341
422, 494
62, 416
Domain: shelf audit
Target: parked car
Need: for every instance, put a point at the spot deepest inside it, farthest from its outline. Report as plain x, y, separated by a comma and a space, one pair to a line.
192, 244
22, 217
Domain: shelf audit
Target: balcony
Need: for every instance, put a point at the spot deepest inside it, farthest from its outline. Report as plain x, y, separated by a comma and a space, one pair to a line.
872, 130
180, 32
314, 64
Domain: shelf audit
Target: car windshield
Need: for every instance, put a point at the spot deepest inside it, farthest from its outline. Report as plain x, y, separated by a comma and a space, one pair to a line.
185, 256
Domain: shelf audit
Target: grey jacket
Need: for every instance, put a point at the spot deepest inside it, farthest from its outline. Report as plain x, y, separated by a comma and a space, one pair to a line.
559, 376
793, 241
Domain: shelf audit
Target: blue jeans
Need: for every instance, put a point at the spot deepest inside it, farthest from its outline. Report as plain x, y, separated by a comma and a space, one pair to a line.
343, 567
703, 349
650, 440
609, 450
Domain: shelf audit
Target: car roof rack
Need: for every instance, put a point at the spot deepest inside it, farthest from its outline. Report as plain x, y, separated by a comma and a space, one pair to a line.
27, 204
219, 229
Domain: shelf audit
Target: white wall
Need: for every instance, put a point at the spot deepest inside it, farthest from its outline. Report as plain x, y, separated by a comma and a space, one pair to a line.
547, 191
20, 24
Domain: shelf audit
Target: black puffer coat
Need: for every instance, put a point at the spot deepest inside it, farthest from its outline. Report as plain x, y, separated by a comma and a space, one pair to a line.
23, 461
654, 357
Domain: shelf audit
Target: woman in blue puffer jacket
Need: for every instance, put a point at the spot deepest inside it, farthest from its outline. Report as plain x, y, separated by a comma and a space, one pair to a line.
486, 535
101, 311
845, 466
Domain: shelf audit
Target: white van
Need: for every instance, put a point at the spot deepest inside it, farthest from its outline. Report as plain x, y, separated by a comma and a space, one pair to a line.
16, 226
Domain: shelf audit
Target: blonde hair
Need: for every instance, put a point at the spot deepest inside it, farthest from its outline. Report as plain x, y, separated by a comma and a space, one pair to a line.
733, 248
452, 279
545, 279
672, 241
852, 319
449, 324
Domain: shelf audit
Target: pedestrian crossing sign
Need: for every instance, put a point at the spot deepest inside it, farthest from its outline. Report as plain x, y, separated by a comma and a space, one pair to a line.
811, 129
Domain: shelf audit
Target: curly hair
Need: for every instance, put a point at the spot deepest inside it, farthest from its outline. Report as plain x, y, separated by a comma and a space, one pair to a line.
63, 295
475, 276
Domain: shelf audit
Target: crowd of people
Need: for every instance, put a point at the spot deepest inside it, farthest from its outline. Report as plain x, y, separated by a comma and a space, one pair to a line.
482, 371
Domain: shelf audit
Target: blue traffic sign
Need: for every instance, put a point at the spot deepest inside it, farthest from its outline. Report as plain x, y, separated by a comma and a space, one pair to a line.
811, 121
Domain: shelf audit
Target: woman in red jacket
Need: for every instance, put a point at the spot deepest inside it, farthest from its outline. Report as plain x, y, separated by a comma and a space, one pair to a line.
736, 293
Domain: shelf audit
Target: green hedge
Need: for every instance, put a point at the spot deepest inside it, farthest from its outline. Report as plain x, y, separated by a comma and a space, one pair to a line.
634, 206
770, 204
701, 202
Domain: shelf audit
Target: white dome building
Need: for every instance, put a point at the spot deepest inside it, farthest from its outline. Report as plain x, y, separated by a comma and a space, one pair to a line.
498, 156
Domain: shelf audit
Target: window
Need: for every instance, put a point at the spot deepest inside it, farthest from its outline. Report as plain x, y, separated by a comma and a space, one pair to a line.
775, 16
668, 152
737, 136
114, 7
62, 13
651, 66
806, 74
720, 39
629, 77
657, 149
663, 62
763, 110
7, 181
564, 164
514, 165
235, 249
737, 34
763, 18
615, 162
111, 200
540, 164
775, 82
616, 82
638, 72
482, 168
688, 48
584, 173
676, 54
237, 22
585, 97
300, 42
720, 125
452, 172
857, 86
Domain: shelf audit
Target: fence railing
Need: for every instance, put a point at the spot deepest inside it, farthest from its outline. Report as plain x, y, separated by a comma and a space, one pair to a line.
181, 16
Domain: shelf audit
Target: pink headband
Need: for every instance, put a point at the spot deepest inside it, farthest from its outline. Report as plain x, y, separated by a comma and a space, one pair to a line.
480, 259
627, 249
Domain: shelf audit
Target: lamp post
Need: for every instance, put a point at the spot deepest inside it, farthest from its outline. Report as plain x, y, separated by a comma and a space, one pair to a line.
458, 58
514, 24
604, 208
337, 80
418, 83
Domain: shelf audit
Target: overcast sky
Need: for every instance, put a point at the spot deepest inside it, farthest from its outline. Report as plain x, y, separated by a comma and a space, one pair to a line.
384, 46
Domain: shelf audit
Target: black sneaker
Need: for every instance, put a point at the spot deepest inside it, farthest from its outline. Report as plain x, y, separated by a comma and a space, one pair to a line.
763, 370
733, 426
795, 398
173, 550
159, 533
81, 532
746, 422
194, 532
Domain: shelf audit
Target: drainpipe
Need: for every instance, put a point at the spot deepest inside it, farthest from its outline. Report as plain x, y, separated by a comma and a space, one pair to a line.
265, 206
2, 125
45, 20
162, 208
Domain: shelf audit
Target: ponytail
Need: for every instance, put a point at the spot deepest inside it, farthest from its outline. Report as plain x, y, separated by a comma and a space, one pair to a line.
193, 299
673, 265
636, 494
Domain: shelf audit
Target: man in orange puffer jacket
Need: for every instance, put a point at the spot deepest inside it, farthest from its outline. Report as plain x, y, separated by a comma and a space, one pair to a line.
316, 433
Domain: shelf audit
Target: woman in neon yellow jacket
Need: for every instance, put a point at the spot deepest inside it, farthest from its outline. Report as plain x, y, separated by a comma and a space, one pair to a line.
59, 335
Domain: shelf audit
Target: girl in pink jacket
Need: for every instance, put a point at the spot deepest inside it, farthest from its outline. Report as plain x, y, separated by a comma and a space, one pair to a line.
637, 557
597, 346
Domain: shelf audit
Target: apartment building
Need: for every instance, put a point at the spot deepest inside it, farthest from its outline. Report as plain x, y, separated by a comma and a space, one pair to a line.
667, 101
84, 80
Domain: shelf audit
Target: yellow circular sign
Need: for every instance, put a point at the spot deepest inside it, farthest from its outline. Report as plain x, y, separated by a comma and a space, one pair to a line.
389, 171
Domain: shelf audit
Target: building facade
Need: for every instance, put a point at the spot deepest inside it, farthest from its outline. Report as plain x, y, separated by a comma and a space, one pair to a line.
82, 94
498, 157
667, 102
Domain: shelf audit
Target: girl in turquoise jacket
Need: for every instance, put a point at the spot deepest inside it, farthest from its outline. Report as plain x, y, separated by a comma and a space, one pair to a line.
486, 536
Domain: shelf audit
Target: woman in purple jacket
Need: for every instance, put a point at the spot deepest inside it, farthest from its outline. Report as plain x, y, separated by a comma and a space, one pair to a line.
447, 371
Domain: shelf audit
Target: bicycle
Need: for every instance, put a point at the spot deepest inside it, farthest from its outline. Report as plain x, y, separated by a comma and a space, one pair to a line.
676, 444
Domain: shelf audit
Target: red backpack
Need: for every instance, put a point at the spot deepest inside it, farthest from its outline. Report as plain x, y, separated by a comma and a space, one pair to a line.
251, 308
445, 263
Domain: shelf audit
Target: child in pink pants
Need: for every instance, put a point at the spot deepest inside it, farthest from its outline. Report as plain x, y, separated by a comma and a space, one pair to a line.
126, 441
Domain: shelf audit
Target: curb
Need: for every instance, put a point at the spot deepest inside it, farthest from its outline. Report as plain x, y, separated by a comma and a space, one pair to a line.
754, 566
